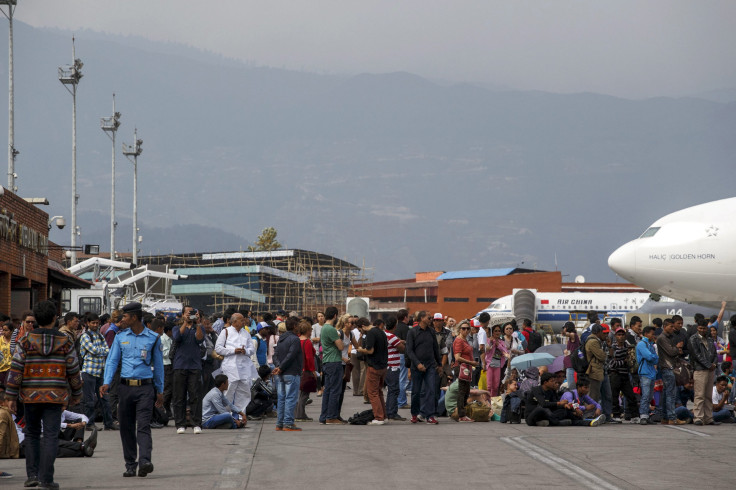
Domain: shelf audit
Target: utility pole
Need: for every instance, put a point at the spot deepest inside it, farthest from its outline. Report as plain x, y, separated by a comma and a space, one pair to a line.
134, 151
69, 76
110, 126
12, 152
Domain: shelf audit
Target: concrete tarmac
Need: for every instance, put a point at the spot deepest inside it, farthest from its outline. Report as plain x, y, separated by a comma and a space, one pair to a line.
405, 455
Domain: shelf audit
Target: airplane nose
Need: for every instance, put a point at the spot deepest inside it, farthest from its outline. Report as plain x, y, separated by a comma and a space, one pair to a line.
623, 261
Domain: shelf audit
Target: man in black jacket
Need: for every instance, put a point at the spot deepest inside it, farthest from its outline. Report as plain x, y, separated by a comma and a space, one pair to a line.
288, 361
422, 349
703, 358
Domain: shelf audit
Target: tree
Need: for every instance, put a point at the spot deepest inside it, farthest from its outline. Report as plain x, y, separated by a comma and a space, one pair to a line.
266, 241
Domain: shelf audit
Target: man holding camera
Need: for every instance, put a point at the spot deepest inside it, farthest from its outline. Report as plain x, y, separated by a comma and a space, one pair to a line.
188, 337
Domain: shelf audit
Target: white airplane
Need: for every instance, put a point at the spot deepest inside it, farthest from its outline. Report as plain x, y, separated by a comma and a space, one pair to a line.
555, 309
689, 255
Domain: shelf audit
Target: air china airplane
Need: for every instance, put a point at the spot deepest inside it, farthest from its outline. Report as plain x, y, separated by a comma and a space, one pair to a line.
555, 309
689, 255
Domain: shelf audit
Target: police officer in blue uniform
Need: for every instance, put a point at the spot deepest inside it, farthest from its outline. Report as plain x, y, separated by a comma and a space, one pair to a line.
141, 385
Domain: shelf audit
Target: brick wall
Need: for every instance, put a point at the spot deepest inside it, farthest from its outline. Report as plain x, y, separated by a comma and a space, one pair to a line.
20, 266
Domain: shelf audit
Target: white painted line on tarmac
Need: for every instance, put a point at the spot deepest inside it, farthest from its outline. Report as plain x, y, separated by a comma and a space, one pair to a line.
582, 476
689, 431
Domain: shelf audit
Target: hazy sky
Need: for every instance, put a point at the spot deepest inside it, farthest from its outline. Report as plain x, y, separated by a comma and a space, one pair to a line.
620, 47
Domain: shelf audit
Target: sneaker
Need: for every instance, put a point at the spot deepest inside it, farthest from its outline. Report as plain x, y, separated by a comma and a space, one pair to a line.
698, 422
305, 419
635, 420
292, 428
181, 430
377, 422
405, 406
542, 423
598, 421
432, 420
30, 482
465, 419
616, 420
5, 475
116, 425
156, 425
398, 418
90, 427
335, 422
414, 419
197, 430
279, 427
643, 421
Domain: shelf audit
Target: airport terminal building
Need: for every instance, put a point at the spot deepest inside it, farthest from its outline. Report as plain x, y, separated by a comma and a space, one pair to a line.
293, 280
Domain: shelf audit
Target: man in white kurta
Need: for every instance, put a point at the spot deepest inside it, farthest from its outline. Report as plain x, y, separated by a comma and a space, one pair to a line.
236, 346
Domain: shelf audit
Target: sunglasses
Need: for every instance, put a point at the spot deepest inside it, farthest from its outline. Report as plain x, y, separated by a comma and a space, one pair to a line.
464, 328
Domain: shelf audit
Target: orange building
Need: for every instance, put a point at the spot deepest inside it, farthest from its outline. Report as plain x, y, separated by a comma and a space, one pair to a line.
459, 294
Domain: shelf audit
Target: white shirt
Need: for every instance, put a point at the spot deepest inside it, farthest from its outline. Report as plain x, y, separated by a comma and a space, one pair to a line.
356, 335
236, 366
717, 396
67, 415
482, 337
316, 331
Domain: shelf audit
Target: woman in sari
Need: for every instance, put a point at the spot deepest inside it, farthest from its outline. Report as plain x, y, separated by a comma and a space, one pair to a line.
496, 356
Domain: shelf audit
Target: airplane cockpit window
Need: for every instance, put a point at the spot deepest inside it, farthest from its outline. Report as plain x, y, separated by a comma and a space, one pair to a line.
650, 232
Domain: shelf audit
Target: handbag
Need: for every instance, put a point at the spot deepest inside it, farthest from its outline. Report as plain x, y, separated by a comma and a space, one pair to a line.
346, 374
308, 383
465, 373
682, 372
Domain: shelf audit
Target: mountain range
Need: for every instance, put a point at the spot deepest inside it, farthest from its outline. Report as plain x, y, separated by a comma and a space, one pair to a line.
392, 170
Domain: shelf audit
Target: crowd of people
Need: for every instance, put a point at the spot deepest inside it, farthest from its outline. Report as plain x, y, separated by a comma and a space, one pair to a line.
132, 371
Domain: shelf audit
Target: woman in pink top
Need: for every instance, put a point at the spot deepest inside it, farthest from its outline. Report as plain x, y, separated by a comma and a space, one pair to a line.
496, 356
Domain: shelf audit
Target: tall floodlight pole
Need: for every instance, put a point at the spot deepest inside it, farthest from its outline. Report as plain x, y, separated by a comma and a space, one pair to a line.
134, 151
69, 76
110, 127
12, 152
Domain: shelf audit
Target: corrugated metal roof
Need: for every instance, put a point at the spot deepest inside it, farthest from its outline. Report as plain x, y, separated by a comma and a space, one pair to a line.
475, 273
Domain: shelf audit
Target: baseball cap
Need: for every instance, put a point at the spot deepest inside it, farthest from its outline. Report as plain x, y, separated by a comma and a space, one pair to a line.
438, 316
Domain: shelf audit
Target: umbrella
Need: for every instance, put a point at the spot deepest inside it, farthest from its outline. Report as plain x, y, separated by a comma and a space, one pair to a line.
532, 360
554, 349
557, 365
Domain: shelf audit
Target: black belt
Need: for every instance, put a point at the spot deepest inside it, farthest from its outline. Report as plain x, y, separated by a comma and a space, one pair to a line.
136, 382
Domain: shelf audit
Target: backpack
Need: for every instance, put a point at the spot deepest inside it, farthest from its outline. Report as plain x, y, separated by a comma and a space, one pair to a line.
361, 418
579, 360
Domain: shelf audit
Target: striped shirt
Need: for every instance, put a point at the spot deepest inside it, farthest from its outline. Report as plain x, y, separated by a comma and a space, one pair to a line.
393, 352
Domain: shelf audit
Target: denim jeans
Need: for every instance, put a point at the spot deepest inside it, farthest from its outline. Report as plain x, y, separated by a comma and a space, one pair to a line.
669, 391
287, 386
392, 392
220, 419
423, 399
647, 387
91, 389
333, 372
41, 452
403, 380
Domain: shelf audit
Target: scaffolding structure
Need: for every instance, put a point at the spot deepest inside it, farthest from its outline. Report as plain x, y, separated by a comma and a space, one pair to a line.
292, 280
